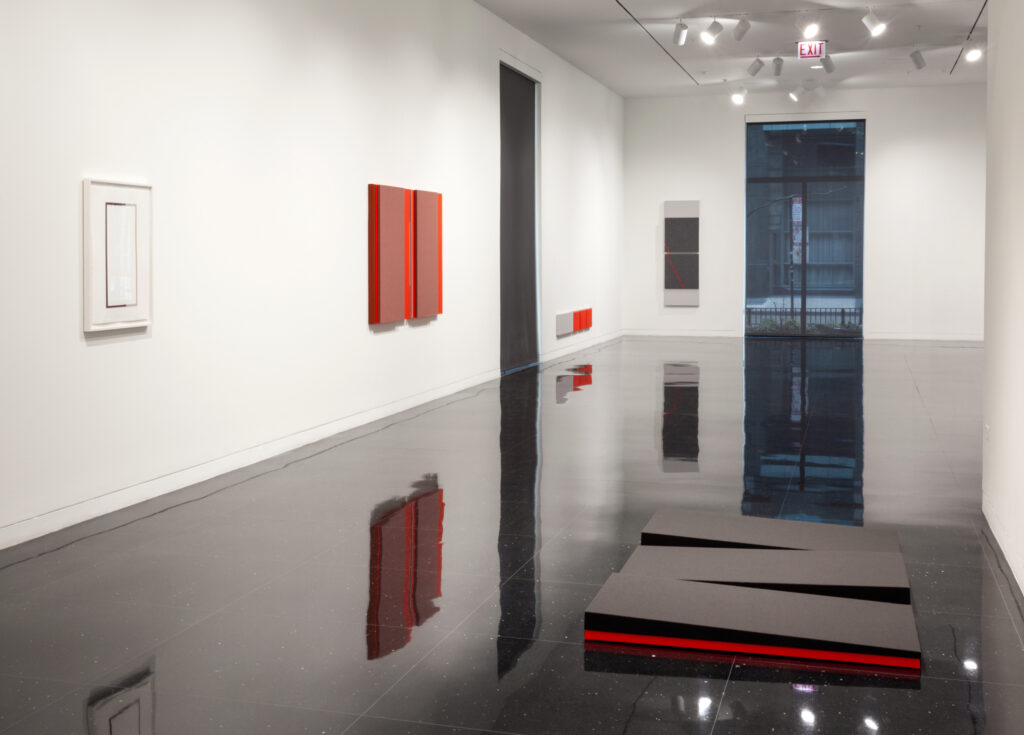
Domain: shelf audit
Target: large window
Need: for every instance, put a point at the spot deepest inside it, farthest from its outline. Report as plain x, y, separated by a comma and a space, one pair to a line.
805, 229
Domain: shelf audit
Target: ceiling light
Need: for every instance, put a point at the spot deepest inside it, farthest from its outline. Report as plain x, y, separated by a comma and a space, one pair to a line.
777, 66
873, 24
818, 66
679, 37
739, 96
973, 54
809, 28
755, 67
709, 35
918, 58
828, 64
741, 29
796, 94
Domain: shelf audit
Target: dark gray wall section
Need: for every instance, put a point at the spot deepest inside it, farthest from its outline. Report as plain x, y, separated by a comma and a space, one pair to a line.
518, 221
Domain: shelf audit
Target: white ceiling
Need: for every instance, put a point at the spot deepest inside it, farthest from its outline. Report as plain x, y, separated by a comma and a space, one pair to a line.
601, 38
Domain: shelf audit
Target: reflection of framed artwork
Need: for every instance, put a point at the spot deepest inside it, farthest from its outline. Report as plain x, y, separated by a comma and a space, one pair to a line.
117, 255
128, 711
682, 253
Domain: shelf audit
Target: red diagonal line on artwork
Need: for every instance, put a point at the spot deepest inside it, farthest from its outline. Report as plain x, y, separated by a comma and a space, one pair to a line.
672, 266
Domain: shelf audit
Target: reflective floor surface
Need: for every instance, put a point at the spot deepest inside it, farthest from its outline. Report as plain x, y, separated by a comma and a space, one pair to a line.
429, 574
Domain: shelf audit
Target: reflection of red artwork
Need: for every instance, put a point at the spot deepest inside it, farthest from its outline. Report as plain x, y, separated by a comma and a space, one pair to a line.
405, 571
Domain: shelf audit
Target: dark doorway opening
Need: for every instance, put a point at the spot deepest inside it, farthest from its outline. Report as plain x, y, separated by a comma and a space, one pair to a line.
518, 220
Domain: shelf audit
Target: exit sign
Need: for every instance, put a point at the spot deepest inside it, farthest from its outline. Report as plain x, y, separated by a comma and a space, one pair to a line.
811, 49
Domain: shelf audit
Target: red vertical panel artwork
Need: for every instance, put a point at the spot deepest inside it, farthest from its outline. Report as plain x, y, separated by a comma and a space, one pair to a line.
390, 217
374, 254
427, 258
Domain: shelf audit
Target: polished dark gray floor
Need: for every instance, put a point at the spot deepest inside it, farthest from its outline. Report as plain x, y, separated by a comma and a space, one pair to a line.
343, 588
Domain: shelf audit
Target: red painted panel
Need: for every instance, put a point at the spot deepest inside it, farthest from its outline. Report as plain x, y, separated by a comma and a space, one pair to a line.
389, 242
760, 650
374, 254
427, 260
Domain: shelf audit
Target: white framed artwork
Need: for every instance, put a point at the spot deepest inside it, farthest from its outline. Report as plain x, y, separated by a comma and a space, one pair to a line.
117, 255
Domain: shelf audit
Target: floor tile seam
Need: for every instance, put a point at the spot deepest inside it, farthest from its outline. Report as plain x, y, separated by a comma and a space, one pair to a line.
721, 698
151, 650
426, 655
432, 723
263, 702
291, 567
541, 580
49, 706
996, 682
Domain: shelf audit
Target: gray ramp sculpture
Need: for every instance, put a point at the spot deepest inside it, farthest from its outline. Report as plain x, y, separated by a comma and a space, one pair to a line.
762, 587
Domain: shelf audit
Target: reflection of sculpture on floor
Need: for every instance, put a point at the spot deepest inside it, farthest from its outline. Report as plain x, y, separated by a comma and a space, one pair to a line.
762, 587
405, 567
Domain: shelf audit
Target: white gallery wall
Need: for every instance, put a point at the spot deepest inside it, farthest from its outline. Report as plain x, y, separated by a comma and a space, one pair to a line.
259, 125
924, 239
1003, 496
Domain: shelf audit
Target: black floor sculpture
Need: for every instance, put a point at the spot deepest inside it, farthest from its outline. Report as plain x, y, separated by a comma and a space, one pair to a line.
764, 588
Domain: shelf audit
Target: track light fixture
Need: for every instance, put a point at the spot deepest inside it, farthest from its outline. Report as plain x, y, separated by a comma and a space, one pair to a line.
710, 34
918, 58
796, 94
739, 96
828, 64
873, 24
777, 66
974, 53
755, 67
809, 27
741, 29
679, 36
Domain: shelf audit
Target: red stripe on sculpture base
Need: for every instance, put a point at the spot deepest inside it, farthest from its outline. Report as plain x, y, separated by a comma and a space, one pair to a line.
902, 662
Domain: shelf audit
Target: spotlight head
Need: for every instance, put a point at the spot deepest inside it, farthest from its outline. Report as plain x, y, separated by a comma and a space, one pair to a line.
918, 59
777, 66
739, 96
973, 54
679, 36
873, 24
741, 29
755, 67
796, 94
710, 34
828, 64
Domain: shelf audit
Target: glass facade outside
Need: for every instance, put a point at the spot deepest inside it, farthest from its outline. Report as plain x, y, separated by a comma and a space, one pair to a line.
805, 229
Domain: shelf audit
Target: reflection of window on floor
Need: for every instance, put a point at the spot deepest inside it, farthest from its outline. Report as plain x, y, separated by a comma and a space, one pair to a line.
803, 455
405, 567
679, 440
805, 228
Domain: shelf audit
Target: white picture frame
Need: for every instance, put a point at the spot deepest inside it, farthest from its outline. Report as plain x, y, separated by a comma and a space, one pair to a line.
117, 255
